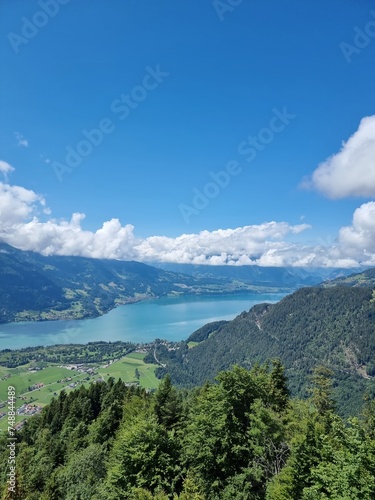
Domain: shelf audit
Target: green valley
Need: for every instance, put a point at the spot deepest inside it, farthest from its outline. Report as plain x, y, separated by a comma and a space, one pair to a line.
37, 382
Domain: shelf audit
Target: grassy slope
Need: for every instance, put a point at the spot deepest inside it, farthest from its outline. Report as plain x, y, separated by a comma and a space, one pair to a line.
125, 369
21, 379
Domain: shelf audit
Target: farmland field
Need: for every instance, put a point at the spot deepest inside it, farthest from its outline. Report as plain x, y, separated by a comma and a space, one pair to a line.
131, 369
125, 369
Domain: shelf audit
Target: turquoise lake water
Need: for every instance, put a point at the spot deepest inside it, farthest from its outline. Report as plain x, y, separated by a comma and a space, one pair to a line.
167, 318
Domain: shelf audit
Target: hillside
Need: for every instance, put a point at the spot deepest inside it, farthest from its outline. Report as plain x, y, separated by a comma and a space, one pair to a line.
334, 326
293, 277
35, 287
363, 279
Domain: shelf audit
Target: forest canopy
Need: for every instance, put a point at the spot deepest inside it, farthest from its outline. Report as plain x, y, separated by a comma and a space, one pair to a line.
240, 437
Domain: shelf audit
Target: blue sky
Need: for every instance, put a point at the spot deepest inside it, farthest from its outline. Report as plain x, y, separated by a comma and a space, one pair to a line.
221, 72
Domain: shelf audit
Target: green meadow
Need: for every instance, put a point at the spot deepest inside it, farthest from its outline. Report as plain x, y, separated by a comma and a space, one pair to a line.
130, 369
126, 367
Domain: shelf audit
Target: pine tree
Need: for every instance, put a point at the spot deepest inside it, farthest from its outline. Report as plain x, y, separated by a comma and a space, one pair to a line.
168, 407
279, 393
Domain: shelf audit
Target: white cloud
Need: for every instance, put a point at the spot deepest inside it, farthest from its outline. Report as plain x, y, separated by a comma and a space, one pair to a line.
5, 168
17, 204
358, 240
350, 172
22, 224
243, 245
111, 241
21, 141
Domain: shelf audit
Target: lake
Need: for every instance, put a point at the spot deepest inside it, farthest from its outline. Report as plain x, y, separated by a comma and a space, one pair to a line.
167, 318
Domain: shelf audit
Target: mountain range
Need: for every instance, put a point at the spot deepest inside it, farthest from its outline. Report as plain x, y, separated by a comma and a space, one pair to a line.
37, 287
293, 277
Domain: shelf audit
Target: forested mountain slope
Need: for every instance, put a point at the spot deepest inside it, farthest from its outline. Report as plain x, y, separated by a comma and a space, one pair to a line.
332, 326
33, 286
294, 277
36, 287
363, 279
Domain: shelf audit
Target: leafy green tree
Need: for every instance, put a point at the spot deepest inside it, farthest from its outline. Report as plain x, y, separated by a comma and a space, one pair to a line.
144, 454
19, 492
192, 488
229, 428
103, 429
82, 474
347, 466
368, 417
296, 475
206, 443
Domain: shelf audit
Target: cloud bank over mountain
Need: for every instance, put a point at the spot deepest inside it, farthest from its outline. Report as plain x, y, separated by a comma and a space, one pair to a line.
26, 223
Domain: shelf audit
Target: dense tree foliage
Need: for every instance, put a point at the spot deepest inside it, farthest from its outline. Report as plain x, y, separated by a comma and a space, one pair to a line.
240, 437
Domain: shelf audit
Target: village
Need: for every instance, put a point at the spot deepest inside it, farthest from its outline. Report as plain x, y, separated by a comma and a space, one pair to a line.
40, 381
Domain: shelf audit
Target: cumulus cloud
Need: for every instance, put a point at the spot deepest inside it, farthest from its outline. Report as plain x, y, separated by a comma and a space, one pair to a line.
21, 227
243, 245
111, 241
25, 224
358, 240
350, 172
21, 211
17, 204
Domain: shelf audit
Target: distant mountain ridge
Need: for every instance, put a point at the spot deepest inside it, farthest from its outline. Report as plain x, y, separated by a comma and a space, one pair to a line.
33, 286
36, 287
293, 277
363, 279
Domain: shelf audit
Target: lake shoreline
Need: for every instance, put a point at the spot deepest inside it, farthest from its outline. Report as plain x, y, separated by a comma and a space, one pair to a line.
46, 316
170, 318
